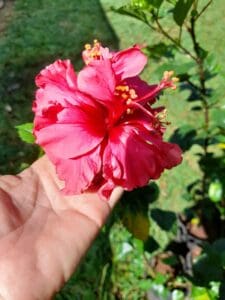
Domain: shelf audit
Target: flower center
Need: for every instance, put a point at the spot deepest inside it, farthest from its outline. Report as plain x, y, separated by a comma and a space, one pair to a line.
127, 94
92, 52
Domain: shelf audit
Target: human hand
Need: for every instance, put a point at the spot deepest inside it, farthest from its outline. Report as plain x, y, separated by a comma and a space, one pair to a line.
44, 235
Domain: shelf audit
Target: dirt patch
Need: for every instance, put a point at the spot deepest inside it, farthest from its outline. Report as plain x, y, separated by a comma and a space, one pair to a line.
6, 9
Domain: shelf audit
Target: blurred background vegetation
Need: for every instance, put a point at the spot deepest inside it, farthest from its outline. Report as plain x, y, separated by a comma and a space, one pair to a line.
165, 241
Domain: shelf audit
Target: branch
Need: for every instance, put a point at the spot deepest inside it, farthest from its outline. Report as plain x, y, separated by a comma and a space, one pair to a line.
203, 10
166, 34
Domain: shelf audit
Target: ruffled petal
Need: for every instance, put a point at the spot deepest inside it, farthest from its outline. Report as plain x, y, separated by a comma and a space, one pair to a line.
75, 133
133, 156
129, 62
98, 80
60, 73
78, 173
106, 189
53, 95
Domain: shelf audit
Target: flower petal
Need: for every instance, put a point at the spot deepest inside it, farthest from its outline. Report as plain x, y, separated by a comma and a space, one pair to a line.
60, 73
142, 89
133, 156
53, 95
75, 133
78, 173
106, 189
98, 80
129, 62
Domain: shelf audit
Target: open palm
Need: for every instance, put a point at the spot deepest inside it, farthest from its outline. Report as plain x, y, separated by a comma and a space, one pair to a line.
43, 235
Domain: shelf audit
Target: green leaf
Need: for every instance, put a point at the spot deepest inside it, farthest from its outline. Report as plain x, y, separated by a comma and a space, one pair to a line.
212, 259
181, 10
178, 295
216, 191
179, 69
132, 11
25, 132
151, 245
138, 224
203, 53
171, 260
199, 293
185, 137
173, 2
156, 3
164, 218
160, 50
144, 284
218, 117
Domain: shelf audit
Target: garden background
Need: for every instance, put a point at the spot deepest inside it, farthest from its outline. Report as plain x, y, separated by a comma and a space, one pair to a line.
165, 241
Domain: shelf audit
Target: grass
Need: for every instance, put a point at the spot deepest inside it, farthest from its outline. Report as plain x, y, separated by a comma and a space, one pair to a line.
37, 33
30, 42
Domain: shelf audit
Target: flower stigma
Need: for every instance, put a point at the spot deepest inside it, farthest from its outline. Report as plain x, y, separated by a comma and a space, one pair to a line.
168, 80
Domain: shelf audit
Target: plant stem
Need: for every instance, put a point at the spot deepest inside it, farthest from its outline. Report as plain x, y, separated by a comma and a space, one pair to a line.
174, 41
202, 89
203, 10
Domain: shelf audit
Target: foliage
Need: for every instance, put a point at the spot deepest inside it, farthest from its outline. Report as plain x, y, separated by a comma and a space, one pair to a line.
206, 195
149, 249
25, 132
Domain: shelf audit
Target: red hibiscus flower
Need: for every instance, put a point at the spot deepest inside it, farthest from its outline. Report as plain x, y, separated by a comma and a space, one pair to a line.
98, 127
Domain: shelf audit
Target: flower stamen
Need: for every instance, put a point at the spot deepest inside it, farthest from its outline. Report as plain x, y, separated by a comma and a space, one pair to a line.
168, 81
125, 92
92, 52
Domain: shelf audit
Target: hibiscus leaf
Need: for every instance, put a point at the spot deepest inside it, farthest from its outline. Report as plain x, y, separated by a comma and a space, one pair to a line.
134, 210
151, 245
157, 51
185, 137
131, 11
164, 218
137, 223
25, 132
213, 259
156, 3
181, 10
181, 70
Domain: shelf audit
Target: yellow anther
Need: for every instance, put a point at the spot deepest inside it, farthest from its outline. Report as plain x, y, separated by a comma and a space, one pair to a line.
162, 115
170, 73
122, 88
124, 96
129, 111
87, 47
95, 41
167, 74
175, 79
129, 101
95, 53
132, 93
124, 92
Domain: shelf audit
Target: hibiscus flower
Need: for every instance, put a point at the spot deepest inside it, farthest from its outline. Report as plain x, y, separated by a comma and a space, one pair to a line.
98, 127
